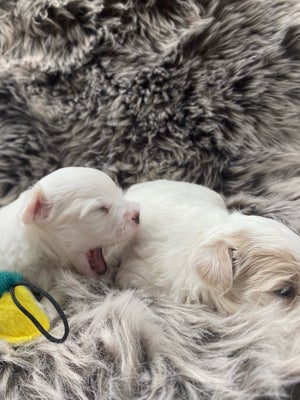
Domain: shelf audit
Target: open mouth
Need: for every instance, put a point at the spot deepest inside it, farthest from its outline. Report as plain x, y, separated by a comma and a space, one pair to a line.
96, 260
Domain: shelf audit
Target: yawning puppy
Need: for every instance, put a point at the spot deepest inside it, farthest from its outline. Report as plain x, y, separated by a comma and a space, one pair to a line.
190, 248
63, 221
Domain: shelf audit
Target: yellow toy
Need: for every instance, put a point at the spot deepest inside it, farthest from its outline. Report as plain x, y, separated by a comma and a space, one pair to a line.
21, 317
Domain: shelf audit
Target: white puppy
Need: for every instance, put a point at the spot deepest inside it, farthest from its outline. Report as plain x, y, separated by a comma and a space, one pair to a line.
190, 248
63, 221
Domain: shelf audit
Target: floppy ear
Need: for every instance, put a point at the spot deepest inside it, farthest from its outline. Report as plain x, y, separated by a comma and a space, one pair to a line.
214, 265
36, 208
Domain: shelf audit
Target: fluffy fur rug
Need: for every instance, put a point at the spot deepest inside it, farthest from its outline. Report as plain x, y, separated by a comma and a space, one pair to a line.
201, 90
126, 346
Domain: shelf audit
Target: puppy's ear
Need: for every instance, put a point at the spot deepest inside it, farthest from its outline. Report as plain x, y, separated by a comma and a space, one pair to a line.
36, 208
214, 265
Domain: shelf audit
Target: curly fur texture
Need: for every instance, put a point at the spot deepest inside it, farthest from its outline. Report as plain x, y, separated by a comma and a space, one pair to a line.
205, 91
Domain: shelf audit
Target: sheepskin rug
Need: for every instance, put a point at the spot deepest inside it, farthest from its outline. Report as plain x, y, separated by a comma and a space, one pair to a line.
206, 91
126, 346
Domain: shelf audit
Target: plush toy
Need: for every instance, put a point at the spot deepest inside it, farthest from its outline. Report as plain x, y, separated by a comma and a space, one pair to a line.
21, 317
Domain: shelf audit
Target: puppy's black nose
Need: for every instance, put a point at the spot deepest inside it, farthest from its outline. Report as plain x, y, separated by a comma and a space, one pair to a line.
136, 218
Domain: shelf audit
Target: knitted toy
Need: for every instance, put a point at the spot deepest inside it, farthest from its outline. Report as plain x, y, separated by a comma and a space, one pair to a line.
21, 317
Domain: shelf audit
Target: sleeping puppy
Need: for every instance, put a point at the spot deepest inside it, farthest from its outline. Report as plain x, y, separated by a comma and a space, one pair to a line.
190, 248
63, 221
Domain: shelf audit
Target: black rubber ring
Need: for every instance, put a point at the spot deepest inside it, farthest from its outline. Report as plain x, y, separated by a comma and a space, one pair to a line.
33, 319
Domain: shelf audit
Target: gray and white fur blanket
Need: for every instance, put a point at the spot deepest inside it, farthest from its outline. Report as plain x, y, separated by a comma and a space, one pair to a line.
206, 91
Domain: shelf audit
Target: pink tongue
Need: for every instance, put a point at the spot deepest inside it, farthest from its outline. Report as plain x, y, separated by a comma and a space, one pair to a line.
96, 260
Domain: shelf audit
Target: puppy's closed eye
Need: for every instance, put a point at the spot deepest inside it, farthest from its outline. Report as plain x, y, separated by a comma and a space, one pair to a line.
93, 208
287, 292
103, 209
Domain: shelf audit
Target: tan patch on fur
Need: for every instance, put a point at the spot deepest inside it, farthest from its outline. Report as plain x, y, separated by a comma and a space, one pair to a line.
260, 272
240, 270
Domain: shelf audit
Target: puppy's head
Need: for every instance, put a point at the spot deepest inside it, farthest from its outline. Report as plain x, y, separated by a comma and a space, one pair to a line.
250, 261
77, 211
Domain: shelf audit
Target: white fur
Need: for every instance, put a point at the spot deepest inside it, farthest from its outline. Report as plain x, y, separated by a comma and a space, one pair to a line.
57, 222
192, 249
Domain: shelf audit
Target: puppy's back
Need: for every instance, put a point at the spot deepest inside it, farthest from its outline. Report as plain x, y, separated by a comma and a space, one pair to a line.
173, 192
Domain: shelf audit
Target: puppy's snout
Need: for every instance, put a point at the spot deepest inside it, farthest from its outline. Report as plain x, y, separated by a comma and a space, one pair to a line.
136, 217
